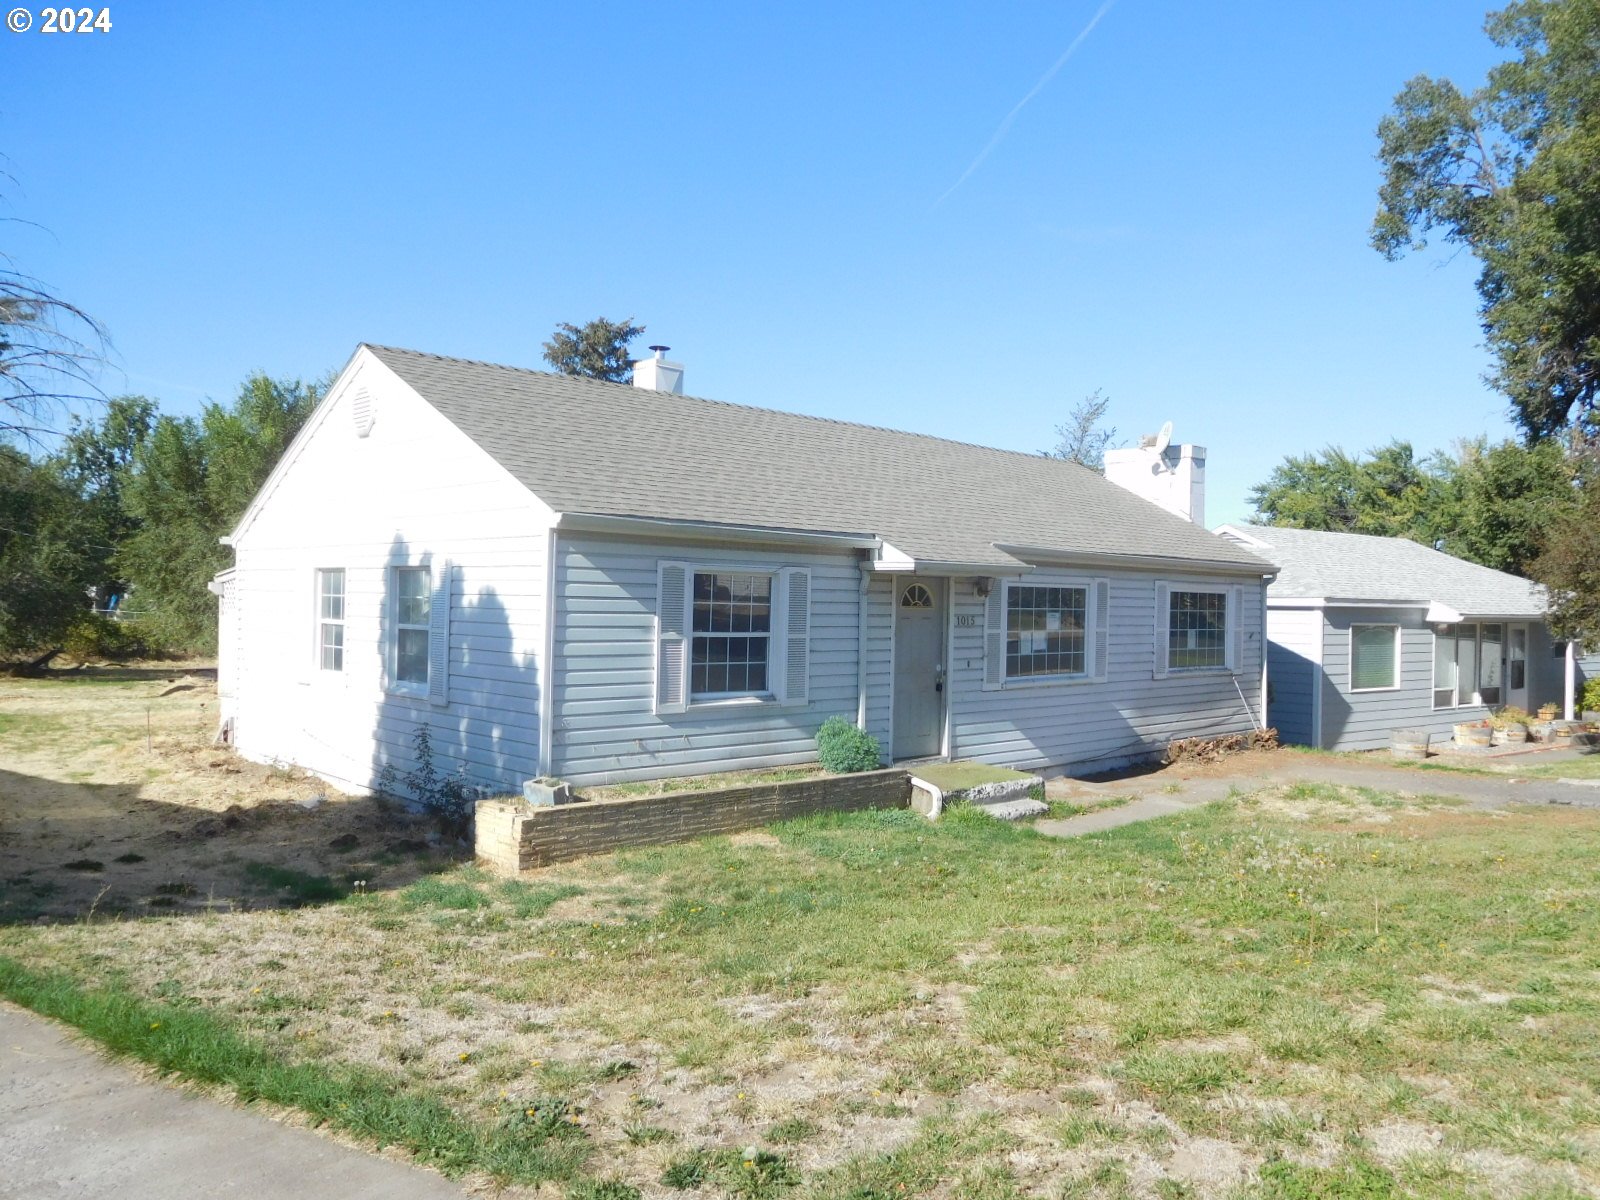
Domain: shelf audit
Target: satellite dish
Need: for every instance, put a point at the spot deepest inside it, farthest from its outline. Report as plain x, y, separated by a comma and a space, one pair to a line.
1164, 438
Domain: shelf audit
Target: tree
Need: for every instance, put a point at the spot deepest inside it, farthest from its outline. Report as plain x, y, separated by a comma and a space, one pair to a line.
1080, 439
1389, 493
1504, 499
598, 350
96, 460
47, 557
1569, 567
1508, 171
191, 482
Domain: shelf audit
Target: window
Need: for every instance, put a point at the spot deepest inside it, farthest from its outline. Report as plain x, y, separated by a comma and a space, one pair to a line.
1374, 657
412, 611
1045, 628
1197, 630
916, 595
1467, 665
330, 618
1517, 659
731, 629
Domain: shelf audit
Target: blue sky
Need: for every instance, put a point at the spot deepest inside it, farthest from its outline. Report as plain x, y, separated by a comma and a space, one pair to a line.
1178, 216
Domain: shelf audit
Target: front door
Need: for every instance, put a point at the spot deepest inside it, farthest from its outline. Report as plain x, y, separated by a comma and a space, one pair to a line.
918, 670
1517, 667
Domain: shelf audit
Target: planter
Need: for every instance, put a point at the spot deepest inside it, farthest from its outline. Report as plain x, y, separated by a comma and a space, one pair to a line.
543, 793
1548, 712
1474, 734
1562, 731
1409, 743
1511, 735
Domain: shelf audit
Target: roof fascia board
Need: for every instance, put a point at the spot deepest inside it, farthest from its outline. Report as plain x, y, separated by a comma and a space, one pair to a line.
657, 527
1154, 562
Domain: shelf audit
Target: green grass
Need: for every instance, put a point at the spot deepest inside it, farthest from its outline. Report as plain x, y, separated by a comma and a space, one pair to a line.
196, 1045
297, 886
1282, 972
957, 776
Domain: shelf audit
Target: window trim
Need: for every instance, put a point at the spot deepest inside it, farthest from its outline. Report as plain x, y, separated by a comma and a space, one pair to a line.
408, 687
1229, 618
776, 635
320, 622
1350, 657
1090, 672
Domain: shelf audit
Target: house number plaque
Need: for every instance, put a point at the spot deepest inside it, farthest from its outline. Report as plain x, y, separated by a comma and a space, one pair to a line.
966, 620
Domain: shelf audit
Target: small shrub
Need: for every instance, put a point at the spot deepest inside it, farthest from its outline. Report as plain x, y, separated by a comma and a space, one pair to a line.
1510, 715
99, 637
844, 747
445, 798
1591, 695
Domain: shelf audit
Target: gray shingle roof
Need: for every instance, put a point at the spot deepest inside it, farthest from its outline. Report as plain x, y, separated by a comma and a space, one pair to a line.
583, 446
1357, 566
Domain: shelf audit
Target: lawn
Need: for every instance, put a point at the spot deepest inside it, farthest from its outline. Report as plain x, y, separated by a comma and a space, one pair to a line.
1306, 992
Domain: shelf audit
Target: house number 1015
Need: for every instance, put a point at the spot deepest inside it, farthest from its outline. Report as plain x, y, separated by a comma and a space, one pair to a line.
966, 620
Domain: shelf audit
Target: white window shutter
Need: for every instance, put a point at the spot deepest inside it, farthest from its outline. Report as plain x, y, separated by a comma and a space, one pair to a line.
1163, 632
1102, 627
994, 638
790, 676
1236, 629
672, 637
439, 633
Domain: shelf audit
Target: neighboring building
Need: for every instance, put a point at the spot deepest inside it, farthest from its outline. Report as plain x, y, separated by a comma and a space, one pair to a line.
600, 582
1372, 634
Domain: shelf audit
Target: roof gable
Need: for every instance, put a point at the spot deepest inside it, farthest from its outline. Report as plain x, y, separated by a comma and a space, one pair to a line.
583, 446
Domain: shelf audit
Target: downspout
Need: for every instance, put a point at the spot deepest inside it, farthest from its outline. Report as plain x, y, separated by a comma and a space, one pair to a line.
547, 685
1265, 720
861, 643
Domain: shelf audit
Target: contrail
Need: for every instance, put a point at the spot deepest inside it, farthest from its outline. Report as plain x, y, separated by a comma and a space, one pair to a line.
1011, 116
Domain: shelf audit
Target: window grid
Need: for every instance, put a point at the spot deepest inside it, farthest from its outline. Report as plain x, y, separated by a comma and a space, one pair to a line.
1197, 630
1045, 631
1467, 661
731, 630
413, 609
330, 618
1372, 657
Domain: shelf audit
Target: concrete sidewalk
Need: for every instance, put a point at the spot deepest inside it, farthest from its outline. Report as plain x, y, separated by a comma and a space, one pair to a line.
73, 1124
1164, 792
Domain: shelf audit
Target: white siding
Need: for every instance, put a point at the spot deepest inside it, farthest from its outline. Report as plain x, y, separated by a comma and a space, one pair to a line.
1294, 652
606, 726
416, 489
1082, 726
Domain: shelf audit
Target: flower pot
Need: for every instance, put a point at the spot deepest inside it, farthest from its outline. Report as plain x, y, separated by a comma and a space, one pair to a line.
1511, 735
1474, 734
1547, 712
1409, 743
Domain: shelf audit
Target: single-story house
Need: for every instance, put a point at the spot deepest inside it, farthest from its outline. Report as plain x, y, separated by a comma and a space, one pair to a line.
602, 582
1367, 635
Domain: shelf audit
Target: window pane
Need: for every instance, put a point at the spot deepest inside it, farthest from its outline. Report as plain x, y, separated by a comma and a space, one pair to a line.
1444, 669
330, 590
1372, 656
732, 603
725, 665
1045, 631
411, 656
1197, 630
332, 647
1466, 663
1490, 648
411, 583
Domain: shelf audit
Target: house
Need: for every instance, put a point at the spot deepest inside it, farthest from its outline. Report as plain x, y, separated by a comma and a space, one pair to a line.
1371, 634
570, 578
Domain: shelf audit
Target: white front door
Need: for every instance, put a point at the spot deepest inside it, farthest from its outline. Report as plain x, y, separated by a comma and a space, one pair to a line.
918, 669
1517, 667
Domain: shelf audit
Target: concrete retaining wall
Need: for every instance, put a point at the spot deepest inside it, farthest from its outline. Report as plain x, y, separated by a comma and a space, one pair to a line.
512, 836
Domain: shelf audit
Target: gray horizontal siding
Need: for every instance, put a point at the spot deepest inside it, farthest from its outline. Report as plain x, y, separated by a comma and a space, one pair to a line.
605, 725
880, 659
1294, 641
1082, 725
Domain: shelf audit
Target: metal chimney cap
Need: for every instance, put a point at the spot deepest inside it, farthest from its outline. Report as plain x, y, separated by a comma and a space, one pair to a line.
660, 350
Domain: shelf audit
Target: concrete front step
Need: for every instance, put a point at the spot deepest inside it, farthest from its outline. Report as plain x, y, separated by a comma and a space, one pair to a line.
1013, 810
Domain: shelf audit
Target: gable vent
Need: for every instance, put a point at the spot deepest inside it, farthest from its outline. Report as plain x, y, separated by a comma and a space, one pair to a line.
361, 411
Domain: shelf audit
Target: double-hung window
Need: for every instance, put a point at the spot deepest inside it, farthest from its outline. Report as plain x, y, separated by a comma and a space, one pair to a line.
1046, 631
1374, 658
1197, 629
412, 605
731, 635
330, 618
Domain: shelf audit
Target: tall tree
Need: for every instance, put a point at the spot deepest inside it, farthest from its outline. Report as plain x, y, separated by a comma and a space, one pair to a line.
598, 350
1081, 439
1508, 171
1390, 492
96, 460
191, 481
1569, 567
1504, 500
48, 559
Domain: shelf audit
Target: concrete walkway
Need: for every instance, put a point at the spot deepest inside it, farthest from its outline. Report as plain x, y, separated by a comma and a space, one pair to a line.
1164, 792
73, 1124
